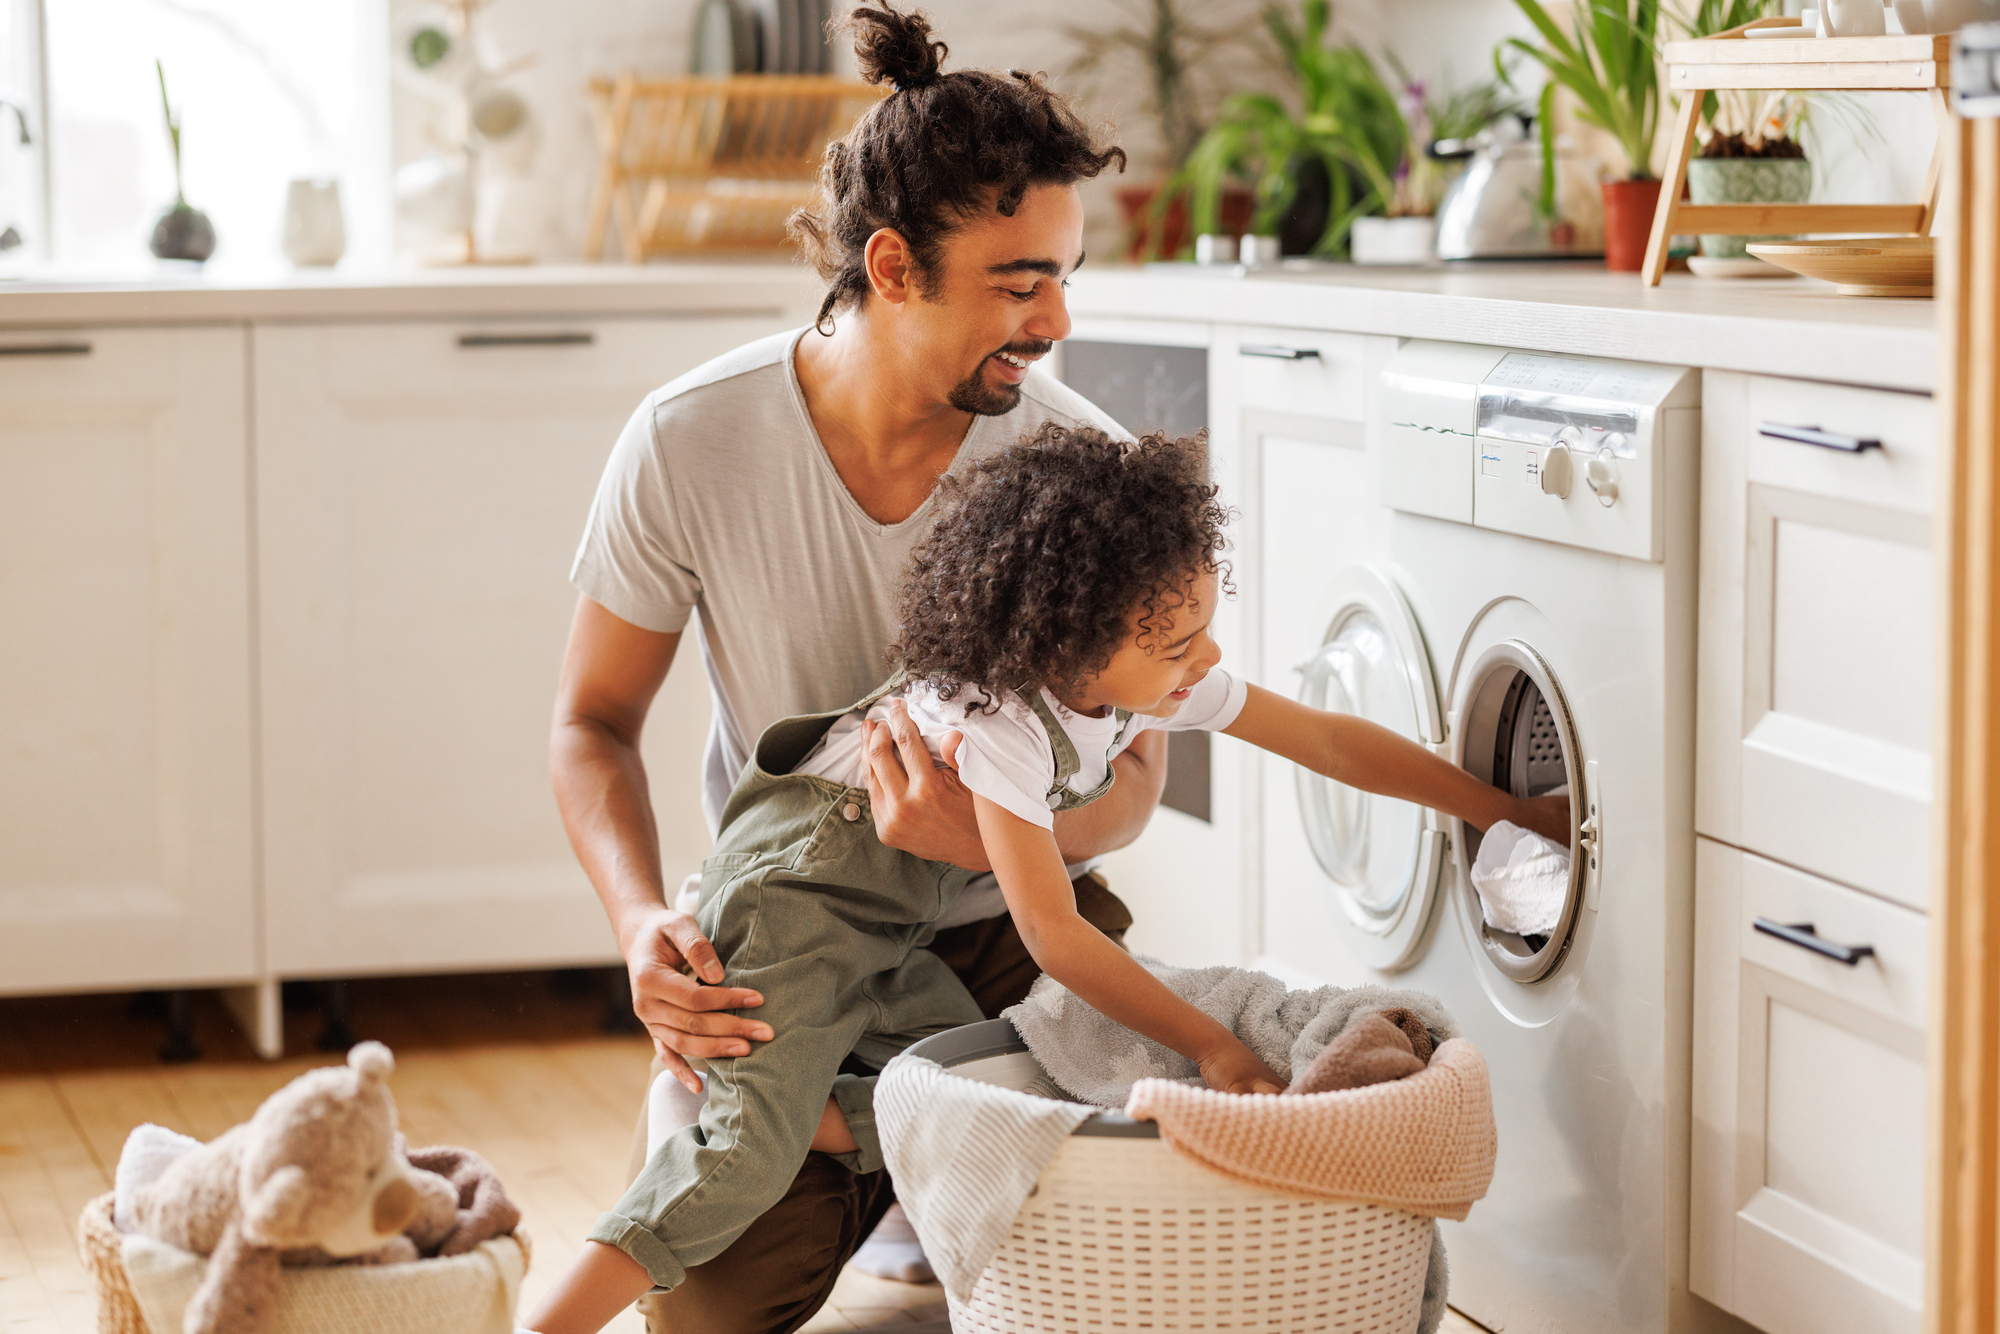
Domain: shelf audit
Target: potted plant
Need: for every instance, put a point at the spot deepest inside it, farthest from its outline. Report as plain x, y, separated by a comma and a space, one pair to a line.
1407, 234
1171, 44
1314, 170
1608, 64
183, 231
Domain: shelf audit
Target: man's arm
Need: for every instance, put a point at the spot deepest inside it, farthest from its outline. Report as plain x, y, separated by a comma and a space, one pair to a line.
923, 809
612, 669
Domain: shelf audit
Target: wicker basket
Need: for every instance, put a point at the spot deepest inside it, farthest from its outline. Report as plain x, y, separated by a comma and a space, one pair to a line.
464, 1294
1122, 1233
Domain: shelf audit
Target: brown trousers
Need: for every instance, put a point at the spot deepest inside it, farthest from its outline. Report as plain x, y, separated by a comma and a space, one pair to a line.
779, 1273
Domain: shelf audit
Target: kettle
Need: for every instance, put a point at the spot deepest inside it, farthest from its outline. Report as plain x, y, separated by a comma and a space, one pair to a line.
1490, 210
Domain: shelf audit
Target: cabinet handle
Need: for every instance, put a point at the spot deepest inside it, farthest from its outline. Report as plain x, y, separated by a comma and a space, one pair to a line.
1277, 351
1812, 435
1803, 935
527, 340
44, 349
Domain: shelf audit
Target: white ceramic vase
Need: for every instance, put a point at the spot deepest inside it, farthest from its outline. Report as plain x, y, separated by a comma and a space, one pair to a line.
315, 232
1393, 240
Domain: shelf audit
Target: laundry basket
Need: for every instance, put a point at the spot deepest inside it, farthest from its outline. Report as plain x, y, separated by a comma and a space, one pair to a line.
143, 1286
1123, 1233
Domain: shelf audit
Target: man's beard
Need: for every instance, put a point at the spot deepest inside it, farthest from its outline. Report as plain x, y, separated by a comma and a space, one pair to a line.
974, 395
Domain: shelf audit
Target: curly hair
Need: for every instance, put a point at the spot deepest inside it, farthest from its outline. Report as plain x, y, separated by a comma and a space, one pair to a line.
1041, 553
938, 152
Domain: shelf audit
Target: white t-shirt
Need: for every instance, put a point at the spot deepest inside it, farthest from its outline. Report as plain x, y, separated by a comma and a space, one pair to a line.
720, 499
1005, 755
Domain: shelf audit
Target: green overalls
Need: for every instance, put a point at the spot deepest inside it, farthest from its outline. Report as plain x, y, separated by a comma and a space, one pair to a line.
806, 906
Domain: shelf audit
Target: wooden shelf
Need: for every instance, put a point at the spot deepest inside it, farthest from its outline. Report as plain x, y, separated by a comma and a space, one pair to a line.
1733, 60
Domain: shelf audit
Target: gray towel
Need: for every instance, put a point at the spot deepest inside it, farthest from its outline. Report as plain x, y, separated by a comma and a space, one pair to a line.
964, 1156
1098, 1060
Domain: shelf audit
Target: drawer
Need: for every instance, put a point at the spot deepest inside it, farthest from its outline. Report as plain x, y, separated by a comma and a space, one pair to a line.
1298, 372
1817, 594
1809, 1097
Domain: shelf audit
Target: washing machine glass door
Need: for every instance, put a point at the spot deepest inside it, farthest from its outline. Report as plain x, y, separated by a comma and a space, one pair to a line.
1382, 856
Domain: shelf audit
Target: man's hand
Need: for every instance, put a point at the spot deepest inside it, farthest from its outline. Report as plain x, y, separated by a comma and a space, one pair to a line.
920, 806
680, 1014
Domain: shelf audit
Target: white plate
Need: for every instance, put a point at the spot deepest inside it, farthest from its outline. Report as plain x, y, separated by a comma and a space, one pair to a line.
1704, 266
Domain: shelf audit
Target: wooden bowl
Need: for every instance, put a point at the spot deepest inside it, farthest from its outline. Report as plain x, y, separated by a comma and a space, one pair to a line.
1874, 266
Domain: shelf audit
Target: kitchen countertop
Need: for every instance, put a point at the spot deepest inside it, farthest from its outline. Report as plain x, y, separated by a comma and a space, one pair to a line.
1777, 326
1785, 326
526, 292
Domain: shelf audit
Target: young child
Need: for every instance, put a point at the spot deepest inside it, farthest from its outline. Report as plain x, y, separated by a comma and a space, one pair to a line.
1060, 606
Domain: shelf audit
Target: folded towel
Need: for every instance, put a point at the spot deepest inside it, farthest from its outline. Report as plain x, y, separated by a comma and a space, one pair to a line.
964, 1155
1425, 1143
1522, 880
1374, 1049
1098, 1060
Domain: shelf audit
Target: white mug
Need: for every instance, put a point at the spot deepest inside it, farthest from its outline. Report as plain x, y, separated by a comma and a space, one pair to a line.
315, 233
1852, 18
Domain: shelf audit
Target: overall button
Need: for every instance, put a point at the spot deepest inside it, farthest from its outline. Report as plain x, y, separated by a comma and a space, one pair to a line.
851, 812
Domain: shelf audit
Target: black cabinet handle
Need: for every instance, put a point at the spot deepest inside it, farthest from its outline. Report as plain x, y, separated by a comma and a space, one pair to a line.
527, 340
1812, 435
44, 349
1277, 351
1803, 935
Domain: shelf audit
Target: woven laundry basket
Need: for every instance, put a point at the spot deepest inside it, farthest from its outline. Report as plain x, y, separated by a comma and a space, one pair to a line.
143, 1286
1122, 1233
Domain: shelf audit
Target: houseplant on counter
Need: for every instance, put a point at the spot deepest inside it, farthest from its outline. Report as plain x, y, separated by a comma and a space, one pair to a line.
1407, 235
183, 231
1174, 45
1608, 64
1315, 170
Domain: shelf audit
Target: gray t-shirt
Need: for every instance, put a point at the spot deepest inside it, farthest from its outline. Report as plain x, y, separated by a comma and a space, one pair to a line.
719, 497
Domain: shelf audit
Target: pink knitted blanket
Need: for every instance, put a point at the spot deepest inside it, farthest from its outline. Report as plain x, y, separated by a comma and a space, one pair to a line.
1425, 1143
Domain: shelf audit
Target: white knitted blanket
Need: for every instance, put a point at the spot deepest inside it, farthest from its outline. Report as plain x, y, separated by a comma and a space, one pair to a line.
964, 1155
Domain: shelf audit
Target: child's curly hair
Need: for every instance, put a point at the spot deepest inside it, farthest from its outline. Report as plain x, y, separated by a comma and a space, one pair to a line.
1041, 552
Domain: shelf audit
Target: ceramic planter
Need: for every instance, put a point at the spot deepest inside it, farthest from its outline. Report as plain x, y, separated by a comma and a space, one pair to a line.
1628, 222
1393, 240
1746, 180
183, 232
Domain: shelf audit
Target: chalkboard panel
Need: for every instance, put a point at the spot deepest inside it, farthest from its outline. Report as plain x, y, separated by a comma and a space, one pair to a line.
1147, 388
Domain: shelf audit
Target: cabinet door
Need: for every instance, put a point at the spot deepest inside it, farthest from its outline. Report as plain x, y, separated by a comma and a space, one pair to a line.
421, 491
1814, 710
125, 787
1808, 1147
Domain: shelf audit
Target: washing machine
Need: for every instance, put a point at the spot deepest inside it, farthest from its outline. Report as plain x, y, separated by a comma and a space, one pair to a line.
1532, 618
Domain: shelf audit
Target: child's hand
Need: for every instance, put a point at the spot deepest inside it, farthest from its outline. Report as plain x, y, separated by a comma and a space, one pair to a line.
1234, 1068
1548, 816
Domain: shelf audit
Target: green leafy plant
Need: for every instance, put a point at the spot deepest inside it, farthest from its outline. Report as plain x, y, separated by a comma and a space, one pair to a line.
1608, 63
1428, 118
1171, 43
173, 133
1346, 119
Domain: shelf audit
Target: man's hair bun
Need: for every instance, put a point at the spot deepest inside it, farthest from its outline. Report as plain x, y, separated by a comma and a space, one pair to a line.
895, 48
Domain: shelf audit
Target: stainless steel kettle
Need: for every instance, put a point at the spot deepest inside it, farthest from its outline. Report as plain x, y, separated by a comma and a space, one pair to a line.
1490, 208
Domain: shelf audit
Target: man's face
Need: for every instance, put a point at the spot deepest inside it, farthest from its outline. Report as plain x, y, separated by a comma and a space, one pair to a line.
995, 303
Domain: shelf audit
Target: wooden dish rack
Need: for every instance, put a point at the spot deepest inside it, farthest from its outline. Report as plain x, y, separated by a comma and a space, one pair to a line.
711, 164
1857, 64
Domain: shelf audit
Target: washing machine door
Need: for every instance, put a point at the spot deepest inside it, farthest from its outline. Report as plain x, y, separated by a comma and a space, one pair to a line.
1383, 857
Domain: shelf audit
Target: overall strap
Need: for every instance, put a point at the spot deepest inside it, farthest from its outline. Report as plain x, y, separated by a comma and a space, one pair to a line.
1067, 762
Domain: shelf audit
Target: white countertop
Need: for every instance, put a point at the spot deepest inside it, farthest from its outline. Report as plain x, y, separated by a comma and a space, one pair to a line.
1786, 326
1778, 326
526, 292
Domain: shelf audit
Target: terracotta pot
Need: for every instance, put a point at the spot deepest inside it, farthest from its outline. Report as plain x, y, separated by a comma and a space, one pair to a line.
1628, 223
1135, 203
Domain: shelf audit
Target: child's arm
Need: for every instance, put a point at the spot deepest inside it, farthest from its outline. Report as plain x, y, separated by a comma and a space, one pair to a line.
1369, 756
1082, 958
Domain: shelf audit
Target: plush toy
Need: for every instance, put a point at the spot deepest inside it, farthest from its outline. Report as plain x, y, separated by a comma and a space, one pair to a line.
483, 1210
317, 1176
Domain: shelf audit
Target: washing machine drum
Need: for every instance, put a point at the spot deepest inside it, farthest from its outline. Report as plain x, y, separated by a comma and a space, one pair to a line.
1515, 732
1382, 856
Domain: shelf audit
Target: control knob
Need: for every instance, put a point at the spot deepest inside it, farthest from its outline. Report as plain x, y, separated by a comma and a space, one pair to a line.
1602, 474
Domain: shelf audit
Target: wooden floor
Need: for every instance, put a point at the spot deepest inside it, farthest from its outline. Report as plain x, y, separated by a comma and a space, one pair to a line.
512, 1065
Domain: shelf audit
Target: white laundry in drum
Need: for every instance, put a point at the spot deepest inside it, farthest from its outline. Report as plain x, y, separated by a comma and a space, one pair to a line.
1522, 879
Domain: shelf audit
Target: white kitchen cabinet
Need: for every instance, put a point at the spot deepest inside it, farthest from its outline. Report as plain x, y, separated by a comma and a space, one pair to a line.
125, 771
1814, 718
1808, 1146
421, 489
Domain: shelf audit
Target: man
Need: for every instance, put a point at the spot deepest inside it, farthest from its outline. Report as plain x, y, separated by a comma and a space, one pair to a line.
778, 490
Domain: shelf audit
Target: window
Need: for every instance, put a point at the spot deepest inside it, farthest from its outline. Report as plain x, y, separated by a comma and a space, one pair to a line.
266, 90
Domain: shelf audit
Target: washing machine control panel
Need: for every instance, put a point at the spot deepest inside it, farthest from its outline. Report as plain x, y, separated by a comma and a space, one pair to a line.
1566, 449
